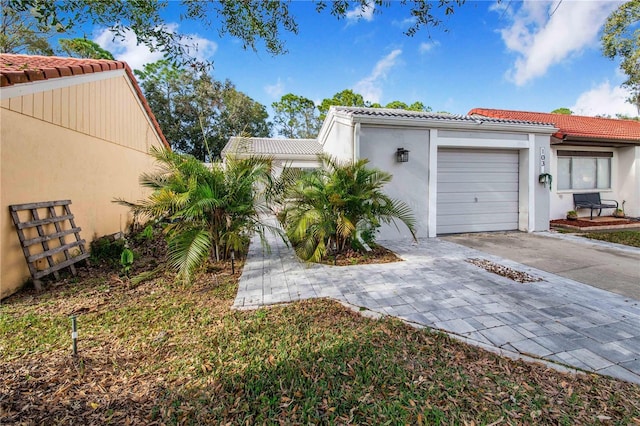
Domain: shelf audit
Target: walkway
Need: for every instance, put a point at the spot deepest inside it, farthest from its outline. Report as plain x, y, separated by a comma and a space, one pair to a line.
556, 319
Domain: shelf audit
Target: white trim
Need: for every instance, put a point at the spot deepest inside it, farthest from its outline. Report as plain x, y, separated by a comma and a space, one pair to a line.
533, 182
356, 142
483, 143
432, 183
23, 89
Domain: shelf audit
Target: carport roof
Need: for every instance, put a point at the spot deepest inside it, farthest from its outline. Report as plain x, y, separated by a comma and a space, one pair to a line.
272, 146
574, 127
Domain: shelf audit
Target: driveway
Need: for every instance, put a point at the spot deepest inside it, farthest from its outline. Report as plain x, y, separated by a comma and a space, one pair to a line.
556, 320
607, 266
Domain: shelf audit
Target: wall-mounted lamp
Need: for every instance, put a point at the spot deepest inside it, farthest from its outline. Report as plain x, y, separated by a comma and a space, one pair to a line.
402, 155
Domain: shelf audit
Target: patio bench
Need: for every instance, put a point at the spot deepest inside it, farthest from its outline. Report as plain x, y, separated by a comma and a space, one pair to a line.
592, 201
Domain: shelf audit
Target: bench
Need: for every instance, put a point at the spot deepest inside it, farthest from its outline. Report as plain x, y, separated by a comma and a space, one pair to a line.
592, 201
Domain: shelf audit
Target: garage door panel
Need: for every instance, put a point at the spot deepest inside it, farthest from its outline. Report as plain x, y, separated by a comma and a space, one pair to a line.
471, 156
477, 190
465, 175
476, 227
471, 208
468, 187
465, 197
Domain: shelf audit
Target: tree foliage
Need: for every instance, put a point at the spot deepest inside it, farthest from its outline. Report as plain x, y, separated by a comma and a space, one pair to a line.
196, 113
339, 206
251, 21
621, 39
211, 209
296, 117
84, 48
20, 32
563, 110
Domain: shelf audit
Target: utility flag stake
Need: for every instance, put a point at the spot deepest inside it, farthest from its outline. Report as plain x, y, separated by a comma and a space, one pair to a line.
74, 335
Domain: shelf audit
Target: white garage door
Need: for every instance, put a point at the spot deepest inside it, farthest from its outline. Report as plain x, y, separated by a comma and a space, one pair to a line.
477, 190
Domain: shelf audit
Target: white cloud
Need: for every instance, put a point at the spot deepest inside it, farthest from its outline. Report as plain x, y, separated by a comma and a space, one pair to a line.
361, 12
544, 33
428, 46
370, 86
604, 100
137, 55
275, 90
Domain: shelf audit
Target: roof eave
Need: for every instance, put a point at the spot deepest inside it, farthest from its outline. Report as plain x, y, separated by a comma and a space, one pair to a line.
598, 141
453, 124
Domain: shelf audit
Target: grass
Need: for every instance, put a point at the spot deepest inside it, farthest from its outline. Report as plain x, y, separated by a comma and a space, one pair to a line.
629, 238
174, 354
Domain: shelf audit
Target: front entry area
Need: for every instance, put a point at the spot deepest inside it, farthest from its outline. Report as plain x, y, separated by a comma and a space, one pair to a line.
477, 190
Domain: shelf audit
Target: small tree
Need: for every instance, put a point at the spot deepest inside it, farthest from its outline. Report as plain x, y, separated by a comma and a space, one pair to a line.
339, 206
211, 210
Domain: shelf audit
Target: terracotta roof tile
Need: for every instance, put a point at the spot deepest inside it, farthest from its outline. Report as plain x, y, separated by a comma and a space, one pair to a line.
573, 126
20, 69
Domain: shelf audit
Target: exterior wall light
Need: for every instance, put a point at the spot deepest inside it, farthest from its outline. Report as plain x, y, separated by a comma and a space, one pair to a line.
402, 155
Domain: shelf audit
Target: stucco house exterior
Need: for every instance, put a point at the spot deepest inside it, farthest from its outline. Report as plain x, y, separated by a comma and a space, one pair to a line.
76, 129
463, 174
588, 154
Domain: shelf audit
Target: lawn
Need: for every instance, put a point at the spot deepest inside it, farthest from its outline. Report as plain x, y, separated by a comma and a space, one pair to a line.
174, 354
629, 238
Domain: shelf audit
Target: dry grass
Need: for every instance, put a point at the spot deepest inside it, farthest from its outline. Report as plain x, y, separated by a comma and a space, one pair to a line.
163, 353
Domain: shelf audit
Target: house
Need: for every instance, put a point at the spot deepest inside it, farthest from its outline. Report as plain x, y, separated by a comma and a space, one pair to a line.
72, 129
293, 153
457, 173
588, 154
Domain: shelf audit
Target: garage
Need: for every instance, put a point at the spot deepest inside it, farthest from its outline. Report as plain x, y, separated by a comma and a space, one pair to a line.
477, 190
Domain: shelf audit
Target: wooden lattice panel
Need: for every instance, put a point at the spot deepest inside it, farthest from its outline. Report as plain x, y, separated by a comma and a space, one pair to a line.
43, 229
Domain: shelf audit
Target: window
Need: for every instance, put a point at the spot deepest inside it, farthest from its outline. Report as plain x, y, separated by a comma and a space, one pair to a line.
581, 170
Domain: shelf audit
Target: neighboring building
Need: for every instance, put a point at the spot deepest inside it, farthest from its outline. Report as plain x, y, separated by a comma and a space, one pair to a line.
77, 129
293, 153
463, 174
588, 154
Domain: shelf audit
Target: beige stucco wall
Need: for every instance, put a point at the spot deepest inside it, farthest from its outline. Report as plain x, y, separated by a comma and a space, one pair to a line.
86, 142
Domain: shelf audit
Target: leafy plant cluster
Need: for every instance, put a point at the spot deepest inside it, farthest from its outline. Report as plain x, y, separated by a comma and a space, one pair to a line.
209, 210
339, 207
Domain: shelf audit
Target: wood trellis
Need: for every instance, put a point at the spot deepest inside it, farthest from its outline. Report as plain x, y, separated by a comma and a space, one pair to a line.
50, 242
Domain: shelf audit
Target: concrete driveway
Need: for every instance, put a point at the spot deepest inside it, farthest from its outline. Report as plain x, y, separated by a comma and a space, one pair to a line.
611, 267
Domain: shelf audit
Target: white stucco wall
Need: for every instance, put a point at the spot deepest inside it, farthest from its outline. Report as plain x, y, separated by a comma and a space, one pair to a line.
629, 179
339, 139
410, 180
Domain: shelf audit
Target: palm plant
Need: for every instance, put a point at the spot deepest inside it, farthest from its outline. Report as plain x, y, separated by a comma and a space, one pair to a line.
211, 209
340, 206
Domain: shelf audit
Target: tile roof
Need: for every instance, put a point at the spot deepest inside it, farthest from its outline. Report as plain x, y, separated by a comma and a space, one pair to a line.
272, 146
19, 69
400, 113
575, 126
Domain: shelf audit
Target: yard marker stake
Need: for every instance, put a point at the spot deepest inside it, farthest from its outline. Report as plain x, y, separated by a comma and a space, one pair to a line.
74, 335
233, 258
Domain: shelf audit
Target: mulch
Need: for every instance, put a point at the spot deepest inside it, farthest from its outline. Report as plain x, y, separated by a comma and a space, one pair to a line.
588, 223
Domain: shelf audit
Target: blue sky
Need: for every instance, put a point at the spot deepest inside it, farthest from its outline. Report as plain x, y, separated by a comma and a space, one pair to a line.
533, 55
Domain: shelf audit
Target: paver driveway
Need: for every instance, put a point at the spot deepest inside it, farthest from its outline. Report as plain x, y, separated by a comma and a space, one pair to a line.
555, 319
